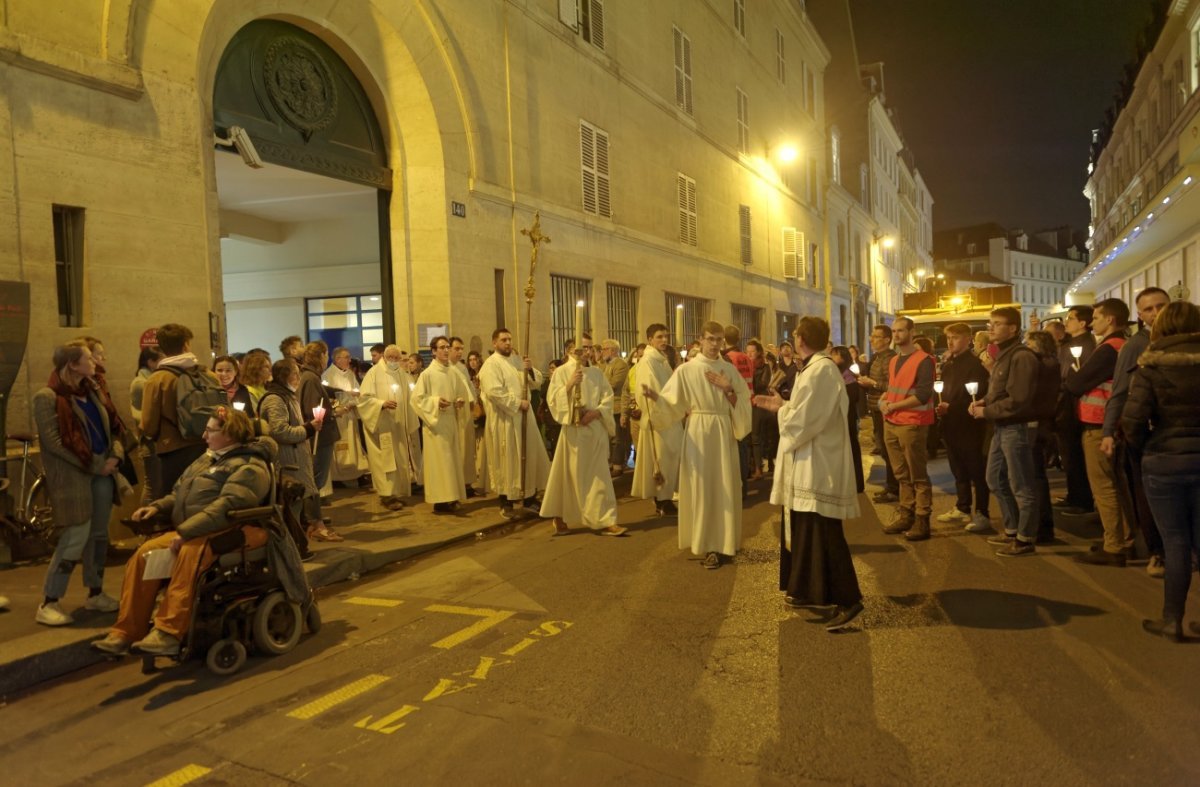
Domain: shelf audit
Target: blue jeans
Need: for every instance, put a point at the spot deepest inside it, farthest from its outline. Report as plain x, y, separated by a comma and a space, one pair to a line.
88, 541
1175, 503
1010, 476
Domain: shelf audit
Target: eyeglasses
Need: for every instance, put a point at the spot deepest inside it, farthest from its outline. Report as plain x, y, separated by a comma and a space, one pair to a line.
210, 429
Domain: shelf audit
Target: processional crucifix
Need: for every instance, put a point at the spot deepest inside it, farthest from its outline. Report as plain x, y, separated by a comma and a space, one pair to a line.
536, 239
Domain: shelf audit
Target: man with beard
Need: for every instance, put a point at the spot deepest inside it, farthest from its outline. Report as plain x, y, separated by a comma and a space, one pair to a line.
438, 399
656, 468
506, 400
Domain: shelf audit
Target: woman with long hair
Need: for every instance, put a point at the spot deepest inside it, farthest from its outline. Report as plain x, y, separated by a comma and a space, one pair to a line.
227, 370
255, 374
79, 431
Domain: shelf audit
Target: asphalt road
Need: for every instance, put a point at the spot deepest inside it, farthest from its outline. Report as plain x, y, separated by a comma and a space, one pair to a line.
527, 659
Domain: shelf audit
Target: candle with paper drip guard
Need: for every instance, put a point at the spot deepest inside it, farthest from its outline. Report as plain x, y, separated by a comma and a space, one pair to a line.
938, 386
395, 388
239, 406
973, 389
856, 370
679, 325
318, 415
578, 324
1077, 353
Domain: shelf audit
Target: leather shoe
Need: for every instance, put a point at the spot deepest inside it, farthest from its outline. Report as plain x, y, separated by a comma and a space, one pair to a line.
1171, 629
901, 522
1102, 558
919, 531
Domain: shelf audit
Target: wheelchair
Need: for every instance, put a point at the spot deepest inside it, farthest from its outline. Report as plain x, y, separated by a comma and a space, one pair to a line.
240, 605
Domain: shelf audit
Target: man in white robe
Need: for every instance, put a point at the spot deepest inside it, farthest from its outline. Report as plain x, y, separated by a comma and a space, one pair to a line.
440, 399
580, 488
505, 398
466, 423
349, 457
815, 482
656, 467
710, 393
389, 425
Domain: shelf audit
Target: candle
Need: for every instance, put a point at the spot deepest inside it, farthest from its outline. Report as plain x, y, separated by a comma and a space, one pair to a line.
679, 326
1077, 351
318, 412
855, 369
939, 386
239, 406
973, 389
395, 388
412, 386
578, 325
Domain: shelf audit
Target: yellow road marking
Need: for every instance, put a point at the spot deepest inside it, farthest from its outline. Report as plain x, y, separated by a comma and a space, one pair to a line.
347, 692
366, 601
491, 617
520, 646
185, 775
387, 724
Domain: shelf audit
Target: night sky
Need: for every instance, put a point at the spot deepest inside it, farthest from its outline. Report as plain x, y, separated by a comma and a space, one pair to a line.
997, 99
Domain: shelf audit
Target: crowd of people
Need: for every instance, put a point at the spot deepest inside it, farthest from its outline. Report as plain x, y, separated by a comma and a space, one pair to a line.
701, 424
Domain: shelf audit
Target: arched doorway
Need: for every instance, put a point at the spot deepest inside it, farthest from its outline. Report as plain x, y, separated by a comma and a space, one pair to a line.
304, 187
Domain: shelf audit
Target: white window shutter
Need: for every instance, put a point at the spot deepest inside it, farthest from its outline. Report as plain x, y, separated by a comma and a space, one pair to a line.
568, 13
603, 198
597, 20
587, 165
692, 234
791, 269
801, 258
687, 73
744, 232
682, 187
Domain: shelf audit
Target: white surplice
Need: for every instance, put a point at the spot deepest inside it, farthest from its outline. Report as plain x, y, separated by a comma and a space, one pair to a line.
349, 456
814, 469
710, 476
443, 437
500, 385
389, 432
580, 488
657, 449
466, 427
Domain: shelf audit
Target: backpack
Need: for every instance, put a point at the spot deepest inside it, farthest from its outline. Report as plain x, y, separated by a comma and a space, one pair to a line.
197, 396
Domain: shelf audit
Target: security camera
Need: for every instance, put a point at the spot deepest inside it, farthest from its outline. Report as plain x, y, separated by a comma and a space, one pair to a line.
241, 142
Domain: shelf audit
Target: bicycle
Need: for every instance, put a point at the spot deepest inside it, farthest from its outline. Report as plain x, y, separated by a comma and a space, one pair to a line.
29, 529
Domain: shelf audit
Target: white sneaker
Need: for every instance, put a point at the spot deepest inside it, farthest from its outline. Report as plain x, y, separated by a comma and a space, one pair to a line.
3, 602
52, 615
953, 515
102, 603
979, 524
1156, 568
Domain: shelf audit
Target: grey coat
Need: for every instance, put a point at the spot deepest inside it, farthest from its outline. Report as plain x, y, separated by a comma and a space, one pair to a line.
68, 482
213, 486
281, 410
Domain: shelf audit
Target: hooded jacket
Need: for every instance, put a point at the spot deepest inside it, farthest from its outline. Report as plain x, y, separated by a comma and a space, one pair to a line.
1161, 419
212, 486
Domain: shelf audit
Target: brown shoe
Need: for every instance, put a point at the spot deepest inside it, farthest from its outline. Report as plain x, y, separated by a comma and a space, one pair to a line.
560, 527
920, 530
901, 521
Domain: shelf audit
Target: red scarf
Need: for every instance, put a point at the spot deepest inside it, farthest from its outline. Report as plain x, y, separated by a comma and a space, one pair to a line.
70, 431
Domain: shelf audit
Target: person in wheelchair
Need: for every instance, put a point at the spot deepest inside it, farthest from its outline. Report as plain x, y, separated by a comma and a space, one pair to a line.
233, 473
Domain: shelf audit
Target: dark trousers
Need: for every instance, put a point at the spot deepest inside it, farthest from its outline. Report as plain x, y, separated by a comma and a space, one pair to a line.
817, 568
620, 445
1070, 447
172, 464
1175, 500
964, 450
1131, 494
891, 484
1041, 482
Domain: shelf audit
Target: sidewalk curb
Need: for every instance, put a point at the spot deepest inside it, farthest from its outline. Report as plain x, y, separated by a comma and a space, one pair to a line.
74, 651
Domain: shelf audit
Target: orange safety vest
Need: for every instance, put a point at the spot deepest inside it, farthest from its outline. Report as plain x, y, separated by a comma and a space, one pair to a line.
1092, 403
903, 386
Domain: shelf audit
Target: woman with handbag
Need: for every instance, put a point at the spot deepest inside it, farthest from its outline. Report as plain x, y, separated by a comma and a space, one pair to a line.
79, 431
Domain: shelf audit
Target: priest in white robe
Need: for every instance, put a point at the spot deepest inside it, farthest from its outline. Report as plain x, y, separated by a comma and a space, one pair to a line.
439, 400
349, 456
390, 426
501, 386
466, 421
710, 393
656, 467
580, 489
815, 482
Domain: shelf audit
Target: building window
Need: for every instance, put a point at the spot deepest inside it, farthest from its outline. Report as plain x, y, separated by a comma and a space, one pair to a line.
593, 163
743, 121
748, 320
591, 22
686, 189
565, 292
835, 155
814, 254
810, 90
739, 17
744, 233
351, 321
793, 253
622, 316
841, 249
841, 337
683, 70
864, 188
810, 186
68, 264
785, 324
858, 256
780, 60
695, 314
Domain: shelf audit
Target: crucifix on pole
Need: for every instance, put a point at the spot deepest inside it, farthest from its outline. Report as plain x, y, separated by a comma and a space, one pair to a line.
536, 239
